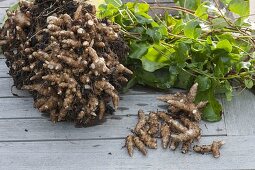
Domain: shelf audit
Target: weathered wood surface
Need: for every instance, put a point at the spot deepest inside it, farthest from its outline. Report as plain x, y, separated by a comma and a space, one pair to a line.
3, 69
7, 3
43, 129
2, 13
237, 153
240, 114
29, 140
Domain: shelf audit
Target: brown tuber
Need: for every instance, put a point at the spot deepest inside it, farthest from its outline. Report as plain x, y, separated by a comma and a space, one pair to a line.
130, 144
142, 119
165, 134
67, 58
214, 148
153, 123
185, 102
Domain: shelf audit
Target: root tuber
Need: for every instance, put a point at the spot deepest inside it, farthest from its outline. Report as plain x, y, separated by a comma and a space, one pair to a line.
153, 124
141, 122
182, 102
140, 145
165, 135
130, 144
61, 53
147, 139
214, 148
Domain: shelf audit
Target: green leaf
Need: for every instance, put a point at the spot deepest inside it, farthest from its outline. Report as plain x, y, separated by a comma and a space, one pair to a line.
184, 80
240, 7
154, 34
161, 79
201, 11
228, 91
226, 1
248, 83
218, 23
156, 57
116, 3
204, 83
225, 45
190, 4
181, 53
212, 111
152, 66
141, 7
192, 29
143, 18
138, 50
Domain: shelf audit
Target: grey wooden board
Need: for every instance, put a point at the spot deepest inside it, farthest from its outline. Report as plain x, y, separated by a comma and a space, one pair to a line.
40, 128
237, 153
7, 90
3, 69
2, 13
43, 129
240, 114
7, 3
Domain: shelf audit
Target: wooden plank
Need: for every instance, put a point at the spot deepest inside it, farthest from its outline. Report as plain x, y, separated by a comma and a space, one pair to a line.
22, 108
3, 69
18, 108
8, 91
7, 3
239, 114
237, 153
2, 13
113, 127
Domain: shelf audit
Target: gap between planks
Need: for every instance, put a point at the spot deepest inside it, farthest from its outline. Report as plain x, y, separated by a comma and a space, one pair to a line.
113, 127
237, 153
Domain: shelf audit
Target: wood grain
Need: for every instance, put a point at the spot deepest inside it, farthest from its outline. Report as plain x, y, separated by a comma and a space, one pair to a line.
239, 114
237, 153
2, 14
7, 3
3, 69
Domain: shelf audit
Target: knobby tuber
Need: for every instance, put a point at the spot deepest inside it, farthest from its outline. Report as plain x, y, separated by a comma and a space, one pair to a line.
130, 144
140, 145
142, 119
175, 129
185, 102
66, 57
147, 139
214, 148
165, 134
153, 124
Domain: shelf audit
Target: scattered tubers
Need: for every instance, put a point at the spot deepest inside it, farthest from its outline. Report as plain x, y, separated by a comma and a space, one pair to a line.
67, 58
174, 129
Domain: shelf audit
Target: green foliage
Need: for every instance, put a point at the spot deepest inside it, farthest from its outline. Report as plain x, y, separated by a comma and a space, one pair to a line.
202, 46
239, 7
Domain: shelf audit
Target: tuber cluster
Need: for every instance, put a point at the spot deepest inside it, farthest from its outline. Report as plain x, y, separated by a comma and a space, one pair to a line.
182, 128
67, 58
